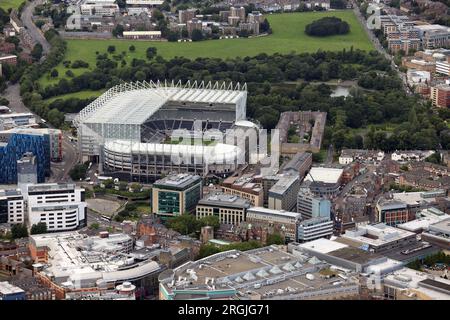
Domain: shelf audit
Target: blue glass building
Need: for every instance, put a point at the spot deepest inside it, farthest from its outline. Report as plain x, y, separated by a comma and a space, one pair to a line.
13, 148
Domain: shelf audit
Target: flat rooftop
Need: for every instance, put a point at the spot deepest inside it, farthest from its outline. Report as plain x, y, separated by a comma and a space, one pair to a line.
376, 235
326, 175
283, 184
6, 288
180, 180
51, 187
224, 200
273, 212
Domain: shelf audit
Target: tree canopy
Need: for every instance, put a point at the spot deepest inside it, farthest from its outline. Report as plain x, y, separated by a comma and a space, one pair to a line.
327, 26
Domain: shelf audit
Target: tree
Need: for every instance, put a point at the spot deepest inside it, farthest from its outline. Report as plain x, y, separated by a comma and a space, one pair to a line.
39, 228
54, 73
184, 224
78, 172
118, 31
172, 36
197, 35
275, 238
94, 226
327, 26
151, 53
111, 49
212, 221
36, 53
207, 250
19, 231
132, 48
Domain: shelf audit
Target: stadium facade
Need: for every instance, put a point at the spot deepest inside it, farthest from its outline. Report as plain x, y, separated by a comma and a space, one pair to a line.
130, 129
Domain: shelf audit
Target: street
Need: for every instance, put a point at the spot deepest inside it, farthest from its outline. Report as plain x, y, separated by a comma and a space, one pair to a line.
34, 32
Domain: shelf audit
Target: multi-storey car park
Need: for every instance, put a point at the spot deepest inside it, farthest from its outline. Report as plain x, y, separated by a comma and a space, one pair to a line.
127, 128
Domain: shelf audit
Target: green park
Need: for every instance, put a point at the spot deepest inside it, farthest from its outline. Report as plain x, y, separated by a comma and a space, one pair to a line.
288, 36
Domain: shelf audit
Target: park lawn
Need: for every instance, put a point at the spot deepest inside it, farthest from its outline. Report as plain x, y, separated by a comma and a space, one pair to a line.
13, 4
288, 36
80, 95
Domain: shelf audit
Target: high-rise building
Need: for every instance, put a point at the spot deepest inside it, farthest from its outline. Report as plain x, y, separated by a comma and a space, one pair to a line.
310, 205
283, 194
440, 96
176, 194
185, 15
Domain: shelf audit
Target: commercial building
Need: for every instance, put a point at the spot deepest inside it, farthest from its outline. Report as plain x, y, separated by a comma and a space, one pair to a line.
315, 228
310, 205
393, 212
283, 194
12, 206
228, 208
27, 169
10, 292
133, 145
267, 273
176, 194
72, 263
346, 257
282, 221
245, 188
60, 206
379, 237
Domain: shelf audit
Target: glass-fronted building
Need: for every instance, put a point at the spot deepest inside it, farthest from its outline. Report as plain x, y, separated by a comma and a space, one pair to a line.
176, 194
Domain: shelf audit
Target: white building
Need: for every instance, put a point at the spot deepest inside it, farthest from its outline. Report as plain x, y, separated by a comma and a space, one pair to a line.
60, 206
102, 8
315, 228
12, 206
11, 120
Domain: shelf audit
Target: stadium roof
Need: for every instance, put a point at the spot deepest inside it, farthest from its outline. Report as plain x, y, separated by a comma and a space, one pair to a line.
134, 103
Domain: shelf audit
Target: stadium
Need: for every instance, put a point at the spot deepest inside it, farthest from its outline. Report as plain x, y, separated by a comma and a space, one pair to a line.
130, 129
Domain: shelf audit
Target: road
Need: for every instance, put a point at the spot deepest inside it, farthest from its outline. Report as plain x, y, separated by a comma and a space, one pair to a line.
35, 33
379, 47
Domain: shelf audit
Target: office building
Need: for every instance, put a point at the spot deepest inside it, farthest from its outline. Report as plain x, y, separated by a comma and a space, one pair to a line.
315, 228
310, 205
12, 120
434, 35
27, 169
12, 206
61, 207
439, 234
323, 181
10, 292
176, 194
228, 208
283, 194
245, 188
281, 221
99, 8
393, 212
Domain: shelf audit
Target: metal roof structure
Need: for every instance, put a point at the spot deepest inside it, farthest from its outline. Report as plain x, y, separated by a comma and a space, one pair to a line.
134, 103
